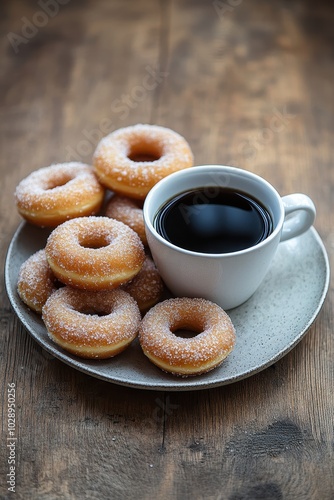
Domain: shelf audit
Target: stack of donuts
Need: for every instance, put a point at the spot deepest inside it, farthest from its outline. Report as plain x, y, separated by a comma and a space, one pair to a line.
95, 283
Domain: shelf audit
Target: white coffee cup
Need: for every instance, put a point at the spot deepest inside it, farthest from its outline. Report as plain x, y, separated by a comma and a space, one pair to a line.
228, 279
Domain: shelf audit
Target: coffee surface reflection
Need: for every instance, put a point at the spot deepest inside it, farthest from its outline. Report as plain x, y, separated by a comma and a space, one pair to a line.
213, 220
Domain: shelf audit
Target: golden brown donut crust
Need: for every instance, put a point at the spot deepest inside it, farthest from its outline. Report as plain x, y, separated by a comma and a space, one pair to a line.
131, 160
128, 211
54, 194
91, 324
36, 281
94, 253
186, 356
146, 287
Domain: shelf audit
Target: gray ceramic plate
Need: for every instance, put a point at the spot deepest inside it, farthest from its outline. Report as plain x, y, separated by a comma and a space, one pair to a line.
268, 325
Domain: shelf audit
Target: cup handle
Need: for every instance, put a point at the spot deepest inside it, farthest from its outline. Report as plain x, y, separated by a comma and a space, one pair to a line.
299, 215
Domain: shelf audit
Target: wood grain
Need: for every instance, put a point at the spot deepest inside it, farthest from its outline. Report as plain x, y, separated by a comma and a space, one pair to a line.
247, 83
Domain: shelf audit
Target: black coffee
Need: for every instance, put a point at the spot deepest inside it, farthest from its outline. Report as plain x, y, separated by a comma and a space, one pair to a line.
213, 220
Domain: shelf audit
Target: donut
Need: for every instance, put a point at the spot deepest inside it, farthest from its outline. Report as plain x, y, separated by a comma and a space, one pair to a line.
146, 287
94, 253
91, 325
54, 194
131, 160
36, 282
181, 356
130, 212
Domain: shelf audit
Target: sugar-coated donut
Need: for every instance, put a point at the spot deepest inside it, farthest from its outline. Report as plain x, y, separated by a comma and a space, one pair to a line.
133, 159
91, 325
54, 194
94, 253
215, 337
130, 212
146, 287
36, 282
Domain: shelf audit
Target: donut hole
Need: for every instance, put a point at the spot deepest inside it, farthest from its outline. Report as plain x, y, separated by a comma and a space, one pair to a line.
144, 151
93, 311
94, 241
56, 182
186, 331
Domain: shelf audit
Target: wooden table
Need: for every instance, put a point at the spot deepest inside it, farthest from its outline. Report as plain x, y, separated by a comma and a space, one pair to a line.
248, 83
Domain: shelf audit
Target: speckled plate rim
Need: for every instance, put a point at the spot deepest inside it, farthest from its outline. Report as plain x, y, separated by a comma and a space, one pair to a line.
132, 369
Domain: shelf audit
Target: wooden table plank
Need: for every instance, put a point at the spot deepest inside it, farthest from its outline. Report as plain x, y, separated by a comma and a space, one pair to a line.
247, 83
